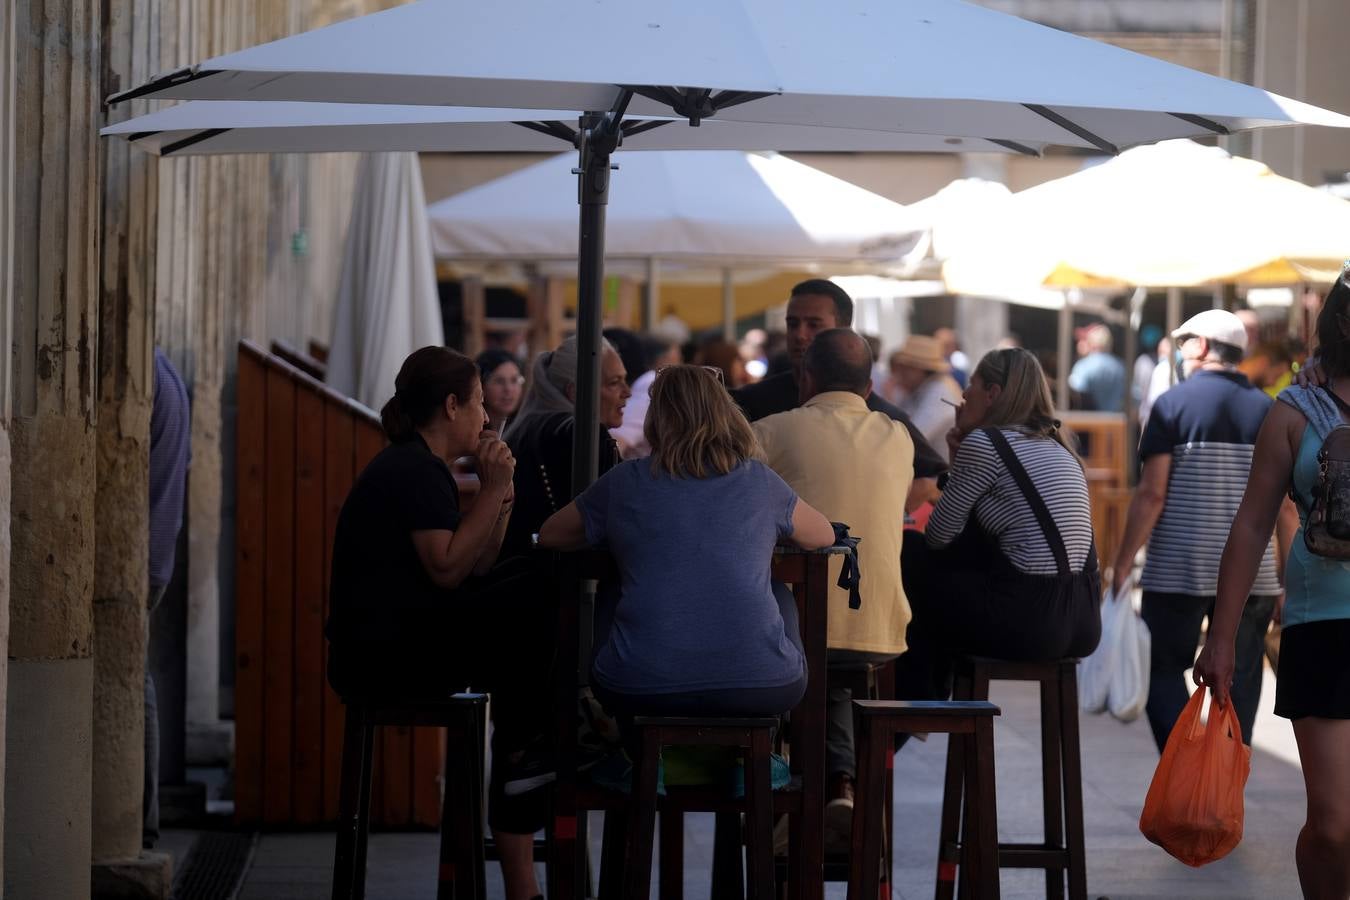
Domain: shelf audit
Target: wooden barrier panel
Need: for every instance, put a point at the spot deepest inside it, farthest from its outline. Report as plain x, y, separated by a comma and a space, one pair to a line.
300, 446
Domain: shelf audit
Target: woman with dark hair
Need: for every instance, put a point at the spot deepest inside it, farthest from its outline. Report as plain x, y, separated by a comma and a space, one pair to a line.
409, 619
1007, 567
1313, 688
699, 629
503, 385
540, 436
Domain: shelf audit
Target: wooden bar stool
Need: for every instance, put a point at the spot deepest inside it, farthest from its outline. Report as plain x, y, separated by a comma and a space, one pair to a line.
755, 737
1063, 849
970, 724
461, 859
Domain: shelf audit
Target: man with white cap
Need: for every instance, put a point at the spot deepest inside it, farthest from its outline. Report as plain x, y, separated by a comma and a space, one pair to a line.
1196, 453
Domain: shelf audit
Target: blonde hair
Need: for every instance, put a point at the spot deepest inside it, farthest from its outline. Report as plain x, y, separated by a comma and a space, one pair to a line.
694, 427
1025, 402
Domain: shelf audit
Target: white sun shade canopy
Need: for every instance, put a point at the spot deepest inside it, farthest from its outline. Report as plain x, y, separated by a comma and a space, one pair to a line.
206, 127
1176, 214
722, 208
940, 67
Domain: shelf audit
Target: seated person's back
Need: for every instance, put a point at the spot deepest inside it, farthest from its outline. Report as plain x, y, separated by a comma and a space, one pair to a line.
699, 628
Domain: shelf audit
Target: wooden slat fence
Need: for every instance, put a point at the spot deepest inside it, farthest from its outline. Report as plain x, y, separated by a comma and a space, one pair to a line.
300, 446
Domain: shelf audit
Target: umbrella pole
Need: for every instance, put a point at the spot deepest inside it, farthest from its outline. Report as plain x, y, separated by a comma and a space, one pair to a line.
597, 138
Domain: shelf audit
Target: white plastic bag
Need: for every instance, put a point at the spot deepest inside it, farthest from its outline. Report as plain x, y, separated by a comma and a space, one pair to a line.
1115, 677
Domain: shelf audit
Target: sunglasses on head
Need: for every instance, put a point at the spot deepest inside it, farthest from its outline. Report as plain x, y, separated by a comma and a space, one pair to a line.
714, 371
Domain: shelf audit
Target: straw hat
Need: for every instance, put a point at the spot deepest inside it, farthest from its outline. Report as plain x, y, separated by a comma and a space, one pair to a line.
921, 352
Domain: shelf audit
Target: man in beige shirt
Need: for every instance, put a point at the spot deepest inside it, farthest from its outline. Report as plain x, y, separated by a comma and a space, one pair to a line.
855, 466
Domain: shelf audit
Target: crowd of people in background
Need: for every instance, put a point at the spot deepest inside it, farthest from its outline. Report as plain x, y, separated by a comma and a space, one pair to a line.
967, 490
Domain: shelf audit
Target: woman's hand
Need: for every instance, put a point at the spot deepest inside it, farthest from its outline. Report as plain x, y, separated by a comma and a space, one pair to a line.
496, 465
954, 438
1214, 669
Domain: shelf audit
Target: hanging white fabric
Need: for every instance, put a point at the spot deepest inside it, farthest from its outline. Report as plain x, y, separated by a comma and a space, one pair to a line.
387, 304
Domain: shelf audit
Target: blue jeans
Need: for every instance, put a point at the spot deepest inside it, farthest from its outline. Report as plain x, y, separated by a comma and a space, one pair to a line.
1173, 622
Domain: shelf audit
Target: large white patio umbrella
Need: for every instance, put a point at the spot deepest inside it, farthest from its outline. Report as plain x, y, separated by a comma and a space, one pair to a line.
210, 127
938, 67
715, 209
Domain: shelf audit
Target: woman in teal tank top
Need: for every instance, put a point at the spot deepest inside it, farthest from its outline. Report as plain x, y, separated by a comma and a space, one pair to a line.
1313, 684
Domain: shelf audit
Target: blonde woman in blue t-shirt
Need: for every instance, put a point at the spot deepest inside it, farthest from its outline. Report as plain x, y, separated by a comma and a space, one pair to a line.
699, 628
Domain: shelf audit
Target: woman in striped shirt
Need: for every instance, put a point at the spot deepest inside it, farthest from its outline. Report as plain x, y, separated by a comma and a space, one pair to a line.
1007, 568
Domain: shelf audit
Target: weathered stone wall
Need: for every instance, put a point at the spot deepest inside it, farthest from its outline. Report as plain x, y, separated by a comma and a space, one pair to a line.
125, 393
48, 742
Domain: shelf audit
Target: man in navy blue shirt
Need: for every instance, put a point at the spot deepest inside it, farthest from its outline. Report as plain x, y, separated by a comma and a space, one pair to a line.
1197, 454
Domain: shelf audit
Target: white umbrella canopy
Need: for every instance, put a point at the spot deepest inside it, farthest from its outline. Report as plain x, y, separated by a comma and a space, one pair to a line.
208, 127
1172, 215
923, 66
387, 303
721, 209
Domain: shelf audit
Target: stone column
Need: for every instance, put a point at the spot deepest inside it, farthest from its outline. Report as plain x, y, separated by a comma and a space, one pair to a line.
121, 513
8, 89
48, 745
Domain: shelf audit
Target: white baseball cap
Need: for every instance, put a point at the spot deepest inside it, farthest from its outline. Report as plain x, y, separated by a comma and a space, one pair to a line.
1215, 325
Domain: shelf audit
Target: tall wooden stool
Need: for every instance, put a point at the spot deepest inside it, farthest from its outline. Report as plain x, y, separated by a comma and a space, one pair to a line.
971, 726
1063, 849
755, 737
461, 859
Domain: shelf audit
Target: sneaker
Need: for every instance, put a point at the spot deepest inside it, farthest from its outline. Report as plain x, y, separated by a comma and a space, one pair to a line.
527, 770
839, 816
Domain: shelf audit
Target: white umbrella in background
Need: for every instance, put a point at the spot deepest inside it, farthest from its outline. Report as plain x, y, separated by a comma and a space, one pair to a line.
1176, 214
719, 209
387, 303
926, 66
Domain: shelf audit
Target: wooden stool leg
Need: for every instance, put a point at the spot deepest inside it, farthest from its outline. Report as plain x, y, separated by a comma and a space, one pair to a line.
949, 847
865, 855
612, 847
982, 836
349, 803
1073, 781
727, 872
759, 817
670, 859
363, 809
637, 869
461, 870
1052, 804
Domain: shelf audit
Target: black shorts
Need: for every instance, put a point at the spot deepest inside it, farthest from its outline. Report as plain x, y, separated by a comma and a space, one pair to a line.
1314, 674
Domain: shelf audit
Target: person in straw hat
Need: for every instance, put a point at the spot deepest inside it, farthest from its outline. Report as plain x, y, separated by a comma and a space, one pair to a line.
923, 388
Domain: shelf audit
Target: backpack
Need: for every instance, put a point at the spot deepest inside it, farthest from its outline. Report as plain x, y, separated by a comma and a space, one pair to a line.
1327, 532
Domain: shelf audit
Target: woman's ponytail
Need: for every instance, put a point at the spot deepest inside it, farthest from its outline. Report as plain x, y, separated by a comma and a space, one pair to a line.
398, 427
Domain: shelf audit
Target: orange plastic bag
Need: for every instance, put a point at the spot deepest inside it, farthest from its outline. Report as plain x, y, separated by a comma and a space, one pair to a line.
1194, 805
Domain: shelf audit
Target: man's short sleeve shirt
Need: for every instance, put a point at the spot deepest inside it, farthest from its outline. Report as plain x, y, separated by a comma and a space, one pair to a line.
1208, 424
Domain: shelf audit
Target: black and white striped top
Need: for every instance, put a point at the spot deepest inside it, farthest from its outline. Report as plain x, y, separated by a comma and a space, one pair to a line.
980, 482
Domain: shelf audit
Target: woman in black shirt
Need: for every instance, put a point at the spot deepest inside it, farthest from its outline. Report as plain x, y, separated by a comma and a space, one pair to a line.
411, 616
540, 436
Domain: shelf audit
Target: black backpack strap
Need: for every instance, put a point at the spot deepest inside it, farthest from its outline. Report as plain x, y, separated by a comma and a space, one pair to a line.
1033, 498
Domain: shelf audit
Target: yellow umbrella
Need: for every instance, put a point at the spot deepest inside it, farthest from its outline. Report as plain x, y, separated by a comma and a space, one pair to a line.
1175, 214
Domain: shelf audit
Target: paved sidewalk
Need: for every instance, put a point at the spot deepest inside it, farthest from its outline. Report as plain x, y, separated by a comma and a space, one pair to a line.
1118, 762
